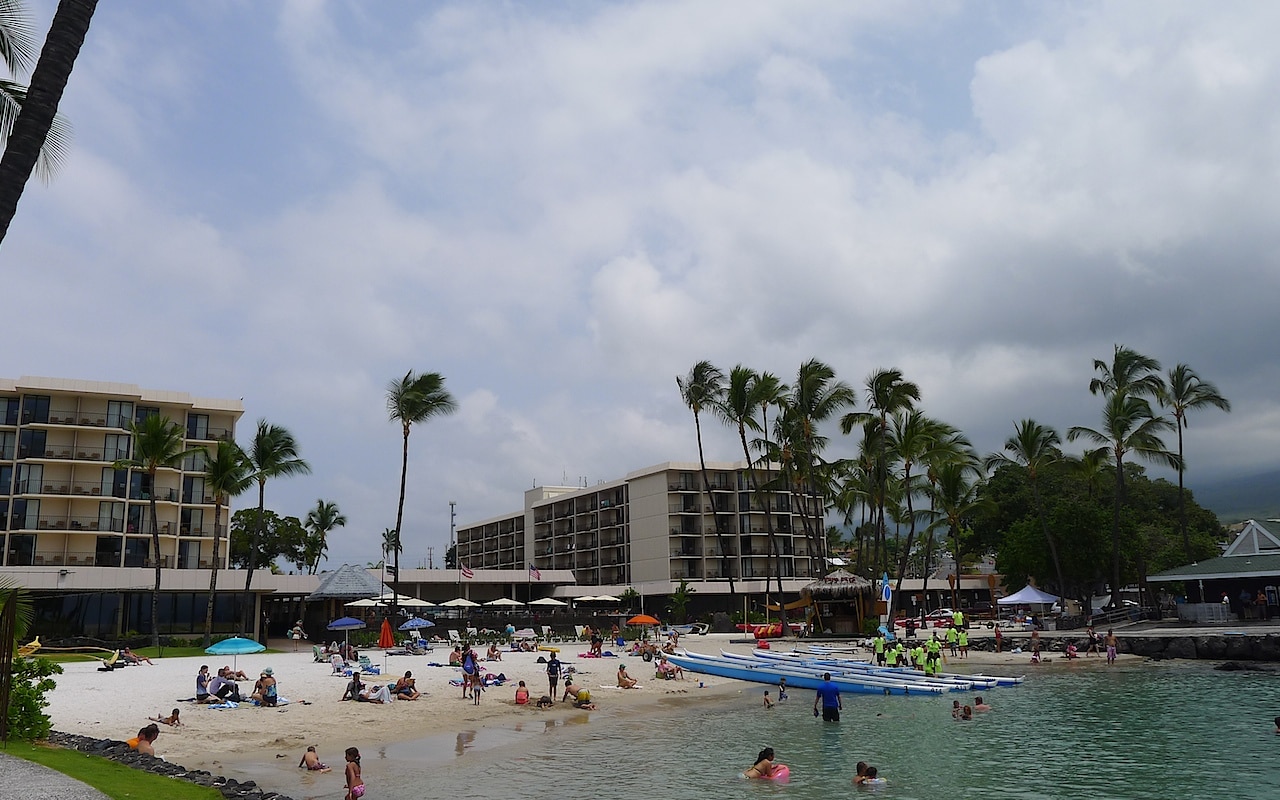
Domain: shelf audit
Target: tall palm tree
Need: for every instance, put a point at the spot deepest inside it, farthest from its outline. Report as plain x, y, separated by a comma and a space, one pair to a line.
1129, 372
31, 128
954, 495
157, 444
273, 454
1185, 391
391, 545
701, 390
887, 394
1034, 447
410, 400
227, 475
815, 397
323, 517
1128, 426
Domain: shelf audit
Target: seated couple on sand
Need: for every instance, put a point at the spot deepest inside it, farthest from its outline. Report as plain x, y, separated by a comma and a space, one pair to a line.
364, 693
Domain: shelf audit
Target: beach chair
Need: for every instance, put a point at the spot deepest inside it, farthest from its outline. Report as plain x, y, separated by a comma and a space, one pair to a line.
577, 631
317, 655
454, 638
546, 633
472, 633
367, 666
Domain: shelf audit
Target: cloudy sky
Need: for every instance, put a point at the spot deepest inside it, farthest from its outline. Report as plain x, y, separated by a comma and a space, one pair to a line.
560, 207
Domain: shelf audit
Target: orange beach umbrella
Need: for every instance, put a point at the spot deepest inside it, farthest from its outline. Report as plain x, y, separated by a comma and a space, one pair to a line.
643, 619
386, 638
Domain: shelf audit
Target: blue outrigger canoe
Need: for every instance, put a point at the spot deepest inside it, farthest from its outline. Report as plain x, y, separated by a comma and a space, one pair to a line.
760, 671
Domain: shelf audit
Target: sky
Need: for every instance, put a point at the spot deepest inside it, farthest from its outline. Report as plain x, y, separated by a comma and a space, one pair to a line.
560, 207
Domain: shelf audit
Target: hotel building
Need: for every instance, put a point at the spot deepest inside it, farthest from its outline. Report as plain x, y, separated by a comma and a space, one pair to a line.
652, 529
62, 501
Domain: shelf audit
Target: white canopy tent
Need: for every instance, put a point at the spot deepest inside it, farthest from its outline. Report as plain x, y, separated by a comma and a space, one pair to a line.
1027, 596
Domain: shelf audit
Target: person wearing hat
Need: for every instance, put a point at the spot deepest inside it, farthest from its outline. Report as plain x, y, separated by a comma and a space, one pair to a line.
264, 691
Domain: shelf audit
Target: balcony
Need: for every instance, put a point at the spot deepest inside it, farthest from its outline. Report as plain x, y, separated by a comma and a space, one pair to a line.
210, 435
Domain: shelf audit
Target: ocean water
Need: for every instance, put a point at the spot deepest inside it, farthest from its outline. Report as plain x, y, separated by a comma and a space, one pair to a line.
1158, 731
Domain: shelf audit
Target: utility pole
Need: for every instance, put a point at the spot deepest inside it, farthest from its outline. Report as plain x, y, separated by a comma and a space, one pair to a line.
453, 516
431, 564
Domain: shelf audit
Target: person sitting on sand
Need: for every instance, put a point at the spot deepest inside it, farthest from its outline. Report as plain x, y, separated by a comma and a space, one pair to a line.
202, 684
233, 674
264, 689
493, 653
522, 694
671, 671
406, 687
379, 695
625, 681
339, 666
145, 740
980, 705
455, 658
763, 768
311, 760
354, 687
222, 689
171, 720
1072, 652
131, 657
546, 702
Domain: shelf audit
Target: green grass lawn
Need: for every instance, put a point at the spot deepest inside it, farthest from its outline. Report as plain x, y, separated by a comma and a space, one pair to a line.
149, 652
112, 779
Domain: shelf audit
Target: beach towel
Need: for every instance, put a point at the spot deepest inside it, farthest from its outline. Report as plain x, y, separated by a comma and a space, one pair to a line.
226, 704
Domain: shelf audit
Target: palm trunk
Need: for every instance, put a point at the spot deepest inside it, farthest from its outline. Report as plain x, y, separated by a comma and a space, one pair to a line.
246, 623
30, 130
1182, 498
725, 566
906, 551
955, 585
404, 474
213, 573
1115, 533
155, 594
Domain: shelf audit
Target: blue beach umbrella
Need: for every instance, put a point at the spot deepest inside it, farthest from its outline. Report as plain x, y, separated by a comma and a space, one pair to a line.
414, 623
345, 624
235, 646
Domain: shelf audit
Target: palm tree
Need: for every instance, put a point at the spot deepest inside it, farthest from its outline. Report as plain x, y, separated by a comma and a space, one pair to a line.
815, 397
413, 399
1184, 392
157, 444
227, 475
32, 127
1129, 372
954, 496
321, 519
391, 545
887, 394
1128, 426
273, 454
1034, 447
702, 389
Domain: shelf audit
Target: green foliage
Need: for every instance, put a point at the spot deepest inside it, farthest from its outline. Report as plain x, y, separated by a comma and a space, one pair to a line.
680, 601
31, 680
279, 537
116, 781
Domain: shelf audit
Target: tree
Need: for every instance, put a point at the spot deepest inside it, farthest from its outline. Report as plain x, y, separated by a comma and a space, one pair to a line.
1184, 392
391, 547
887, 394
954, 496
263, 537
227, 475
273, 454
323, 517
157, 444
702, 389
680, 600
17, 50
1128, 426
31, 128
410, 400
1033, 446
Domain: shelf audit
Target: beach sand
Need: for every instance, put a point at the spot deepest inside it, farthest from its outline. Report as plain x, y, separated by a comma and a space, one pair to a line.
116, 704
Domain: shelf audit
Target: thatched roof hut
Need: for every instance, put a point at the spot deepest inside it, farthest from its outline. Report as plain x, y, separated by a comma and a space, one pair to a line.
839, 586
841, 601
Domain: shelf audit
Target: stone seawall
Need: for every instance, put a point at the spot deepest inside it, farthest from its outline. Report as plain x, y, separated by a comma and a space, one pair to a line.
1220, 647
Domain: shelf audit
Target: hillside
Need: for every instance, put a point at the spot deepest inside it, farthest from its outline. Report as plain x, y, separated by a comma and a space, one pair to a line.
1250, 497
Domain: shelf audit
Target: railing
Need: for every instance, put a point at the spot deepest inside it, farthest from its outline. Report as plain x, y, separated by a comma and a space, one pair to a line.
210, 435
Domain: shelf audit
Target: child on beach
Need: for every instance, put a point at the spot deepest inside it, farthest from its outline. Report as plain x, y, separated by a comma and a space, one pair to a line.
522, 694
172, 719
782, 689
311, 760
767, 702
355, 784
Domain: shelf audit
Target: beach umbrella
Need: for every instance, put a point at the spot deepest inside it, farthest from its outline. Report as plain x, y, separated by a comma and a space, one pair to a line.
643, 619
345, 624
386, 638
607, 598
414, 623
235, 646
548, 601
460, 602
504, 602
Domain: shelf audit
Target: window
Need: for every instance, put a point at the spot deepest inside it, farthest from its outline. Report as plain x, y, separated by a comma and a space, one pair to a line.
140, 486
197, 426
144, 413
35, 408
6, 481
136, 551
119, 414
9, 410
107, 553
192, 522
192, 490
114, 481
25, 515
196, 462
116, 446
7, 440
29, 477
188, 555
22, 551
136, 520
111, 518
31, 444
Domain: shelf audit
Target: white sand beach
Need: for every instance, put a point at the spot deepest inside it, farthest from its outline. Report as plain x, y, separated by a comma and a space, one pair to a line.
116, 704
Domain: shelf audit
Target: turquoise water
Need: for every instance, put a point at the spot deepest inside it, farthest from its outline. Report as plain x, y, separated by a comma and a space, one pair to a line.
1144, 731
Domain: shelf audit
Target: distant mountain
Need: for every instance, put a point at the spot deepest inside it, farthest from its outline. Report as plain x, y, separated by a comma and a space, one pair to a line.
1250, 497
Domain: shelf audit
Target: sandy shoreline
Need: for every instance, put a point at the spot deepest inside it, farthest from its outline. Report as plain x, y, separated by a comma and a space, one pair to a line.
116, 704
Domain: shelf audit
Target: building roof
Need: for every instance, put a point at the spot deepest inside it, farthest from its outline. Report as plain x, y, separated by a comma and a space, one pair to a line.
1255, 553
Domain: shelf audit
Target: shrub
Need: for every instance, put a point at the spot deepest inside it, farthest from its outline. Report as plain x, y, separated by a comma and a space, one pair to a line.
31, 680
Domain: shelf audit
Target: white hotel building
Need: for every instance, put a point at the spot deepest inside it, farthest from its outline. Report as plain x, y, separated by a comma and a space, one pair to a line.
651, 529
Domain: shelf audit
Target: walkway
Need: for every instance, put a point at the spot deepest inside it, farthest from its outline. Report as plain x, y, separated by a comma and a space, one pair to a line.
24, 780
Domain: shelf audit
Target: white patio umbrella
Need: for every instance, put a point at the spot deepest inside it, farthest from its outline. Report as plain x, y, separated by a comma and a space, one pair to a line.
505, 602
589, 598
548, 601
460, 602
607, 598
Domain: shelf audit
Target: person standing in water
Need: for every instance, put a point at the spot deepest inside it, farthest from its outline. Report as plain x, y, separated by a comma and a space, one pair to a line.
355, 783
828, 696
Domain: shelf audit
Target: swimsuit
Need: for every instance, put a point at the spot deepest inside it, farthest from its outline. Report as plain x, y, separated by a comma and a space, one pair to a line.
357, 791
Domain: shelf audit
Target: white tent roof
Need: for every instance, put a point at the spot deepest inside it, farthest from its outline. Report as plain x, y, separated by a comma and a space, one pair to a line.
1027, 594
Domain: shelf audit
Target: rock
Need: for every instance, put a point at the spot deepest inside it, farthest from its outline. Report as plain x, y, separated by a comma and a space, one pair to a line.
1180, 647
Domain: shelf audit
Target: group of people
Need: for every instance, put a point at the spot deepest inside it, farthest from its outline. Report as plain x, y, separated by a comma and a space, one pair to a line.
966, 712
222, 687
767, 767
925, 656
355, 781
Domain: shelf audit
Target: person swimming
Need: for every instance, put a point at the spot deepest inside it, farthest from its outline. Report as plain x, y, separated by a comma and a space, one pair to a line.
763, 768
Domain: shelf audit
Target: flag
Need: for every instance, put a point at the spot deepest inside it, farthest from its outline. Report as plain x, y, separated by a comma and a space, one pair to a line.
467, 572
535, 573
